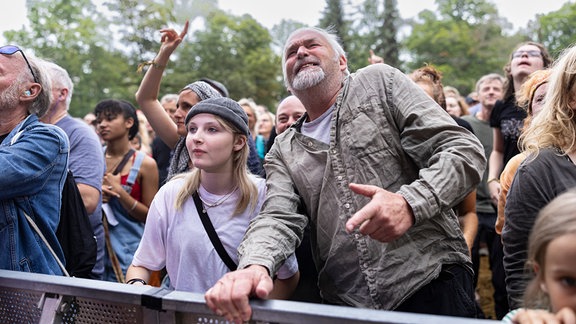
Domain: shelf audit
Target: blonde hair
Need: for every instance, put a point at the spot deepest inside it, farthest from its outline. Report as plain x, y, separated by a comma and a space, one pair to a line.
556, 219
554, 126
525, 95
461, 103
450, 91
240, 175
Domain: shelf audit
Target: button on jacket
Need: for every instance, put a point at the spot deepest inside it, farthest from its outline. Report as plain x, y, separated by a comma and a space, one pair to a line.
385, 131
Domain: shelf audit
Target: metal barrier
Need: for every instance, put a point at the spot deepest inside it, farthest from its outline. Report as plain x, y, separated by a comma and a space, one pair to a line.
38, 298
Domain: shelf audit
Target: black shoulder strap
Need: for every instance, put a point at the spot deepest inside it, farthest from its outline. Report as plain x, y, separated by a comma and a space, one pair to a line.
123, 162
212, 234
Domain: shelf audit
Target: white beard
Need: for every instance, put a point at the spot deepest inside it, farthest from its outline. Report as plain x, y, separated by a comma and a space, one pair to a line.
9, 97
308, 78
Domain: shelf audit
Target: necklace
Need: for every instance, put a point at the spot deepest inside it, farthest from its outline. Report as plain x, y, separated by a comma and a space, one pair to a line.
218, 202
112, 158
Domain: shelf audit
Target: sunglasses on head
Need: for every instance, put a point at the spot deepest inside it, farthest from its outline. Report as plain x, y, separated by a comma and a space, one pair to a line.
11, 49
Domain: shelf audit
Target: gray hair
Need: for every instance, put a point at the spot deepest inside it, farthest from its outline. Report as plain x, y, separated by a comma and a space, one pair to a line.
170, 97
60, 79
328, 34
489, 77
42, 103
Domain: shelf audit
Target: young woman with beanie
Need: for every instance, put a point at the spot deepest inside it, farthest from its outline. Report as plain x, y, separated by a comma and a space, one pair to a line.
219, 188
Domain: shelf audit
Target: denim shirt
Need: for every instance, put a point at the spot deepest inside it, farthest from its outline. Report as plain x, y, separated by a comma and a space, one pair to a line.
385, 131
34, 161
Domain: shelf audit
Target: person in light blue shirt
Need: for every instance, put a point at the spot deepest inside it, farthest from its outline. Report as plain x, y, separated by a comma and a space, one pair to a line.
86, 160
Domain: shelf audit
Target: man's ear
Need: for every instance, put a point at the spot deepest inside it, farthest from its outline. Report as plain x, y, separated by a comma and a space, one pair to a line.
343, 62
63, 94
31, 93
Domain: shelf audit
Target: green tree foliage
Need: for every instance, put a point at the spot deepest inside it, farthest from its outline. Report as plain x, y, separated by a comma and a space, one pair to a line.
375, 25
281, 31
333, 17
69, 33
554, 30
389, 31
102, 46
465, 41
236, 51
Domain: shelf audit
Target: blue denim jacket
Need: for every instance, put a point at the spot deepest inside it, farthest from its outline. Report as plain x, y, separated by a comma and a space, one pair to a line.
33, 160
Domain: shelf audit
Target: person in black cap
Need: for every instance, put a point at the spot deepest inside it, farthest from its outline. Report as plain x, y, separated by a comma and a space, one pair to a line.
173, 134
219, 187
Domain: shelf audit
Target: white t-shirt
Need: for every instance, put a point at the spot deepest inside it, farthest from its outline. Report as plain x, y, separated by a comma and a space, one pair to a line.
177, 239
320, 127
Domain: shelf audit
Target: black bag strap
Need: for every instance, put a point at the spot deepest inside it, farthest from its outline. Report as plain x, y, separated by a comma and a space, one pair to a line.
212, 234
123, 162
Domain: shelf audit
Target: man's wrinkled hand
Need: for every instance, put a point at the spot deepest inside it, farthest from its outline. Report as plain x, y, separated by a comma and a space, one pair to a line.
385, 218
229, 297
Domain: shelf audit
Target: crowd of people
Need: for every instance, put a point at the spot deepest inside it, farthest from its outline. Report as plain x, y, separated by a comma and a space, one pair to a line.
372, 188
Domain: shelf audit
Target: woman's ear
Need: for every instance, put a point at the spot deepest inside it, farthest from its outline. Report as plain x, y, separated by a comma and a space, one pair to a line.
129, 122
239, 143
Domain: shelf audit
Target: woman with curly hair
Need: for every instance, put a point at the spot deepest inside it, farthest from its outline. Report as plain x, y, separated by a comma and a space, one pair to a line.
550, 145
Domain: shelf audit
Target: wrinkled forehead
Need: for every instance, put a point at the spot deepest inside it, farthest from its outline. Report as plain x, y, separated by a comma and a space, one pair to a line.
300, 37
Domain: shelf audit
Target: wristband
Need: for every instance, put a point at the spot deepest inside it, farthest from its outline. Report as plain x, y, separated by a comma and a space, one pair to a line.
493, 179
153, 63
133, 280
134, 205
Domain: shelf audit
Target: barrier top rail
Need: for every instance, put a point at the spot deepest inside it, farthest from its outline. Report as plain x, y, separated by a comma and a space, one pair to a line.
112, 302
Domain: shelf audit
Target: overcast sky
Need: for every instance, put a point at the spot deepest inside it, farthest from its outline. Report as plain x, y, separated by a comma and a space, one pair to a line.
270, 12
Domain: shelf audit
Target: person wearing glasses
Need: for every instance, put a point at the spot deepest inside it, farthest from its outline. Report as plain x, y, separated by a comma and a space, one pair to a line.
34, 160
548, 141
507, 118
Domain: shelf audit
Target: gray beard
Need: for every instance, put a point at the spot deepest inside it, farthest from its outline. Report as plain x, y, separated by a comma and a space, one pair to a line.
307, 79
9, 98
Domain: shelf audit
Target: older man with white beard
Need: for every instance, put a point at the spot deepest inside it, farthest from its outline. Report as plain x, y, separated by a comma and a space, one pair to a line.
375, 167
33, 162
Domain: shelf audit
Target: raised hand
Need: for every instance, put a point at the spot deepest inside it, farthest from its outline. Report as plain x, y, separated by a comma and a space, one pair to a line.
373, 58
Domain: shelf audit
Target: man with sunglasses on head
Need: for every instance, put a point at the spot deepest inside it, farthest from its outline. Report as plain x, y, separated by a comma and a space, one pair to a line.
34, 160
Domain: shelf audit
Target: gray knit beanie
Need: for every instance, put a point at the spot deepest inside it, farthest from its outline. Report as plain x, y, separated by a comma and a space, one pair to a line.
225, 108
